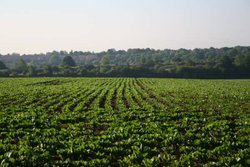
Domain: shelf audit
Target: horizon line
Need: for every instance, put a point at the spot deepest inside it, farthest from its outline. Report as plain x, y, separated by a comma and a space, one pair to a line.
94, 52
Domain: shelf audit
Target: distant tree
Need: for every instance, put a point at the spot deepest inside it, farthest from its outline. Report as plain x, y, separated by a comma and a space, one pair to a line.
247, 64
104, 64
54, 52
67, 71
176, 60
149, 62
190, 63
32, 71
81, 71
47, 71
54, 60
63, 53
4, 73
31, 63
242, 61
68, 61
55, 70
143, 60
21, 66
89, 67
111, 51
2, 65
105, 61
225, 63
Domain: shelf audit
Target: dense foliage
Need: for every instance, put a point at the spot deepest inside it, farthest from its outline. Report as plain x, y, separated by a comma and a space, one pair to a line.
124, 122
182, 63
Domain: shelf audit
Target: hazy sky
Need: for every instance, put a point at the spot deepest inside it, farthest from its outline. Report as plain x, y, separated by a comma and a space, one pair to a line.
35, 26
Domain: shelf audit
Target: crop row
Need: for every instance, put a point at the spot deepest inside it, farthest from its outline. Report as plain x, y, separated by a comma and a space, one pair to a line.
124, 122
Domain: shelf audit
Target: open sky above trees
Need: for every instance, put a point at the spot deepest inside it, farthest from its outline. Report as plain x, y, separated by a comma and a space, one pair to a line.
30, 26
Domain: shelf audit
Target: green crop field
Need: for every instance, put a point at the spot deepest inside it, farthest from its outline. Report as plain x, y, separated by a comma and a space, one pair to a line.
124, 122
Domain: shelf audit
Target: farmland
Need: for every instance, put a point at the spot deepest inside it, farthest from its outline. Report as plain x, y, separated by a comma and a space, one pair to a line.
124, 122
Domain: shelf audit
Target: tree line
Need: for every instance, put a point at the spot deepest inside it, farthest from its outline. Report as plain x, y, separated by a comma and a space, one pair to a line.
224, 62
